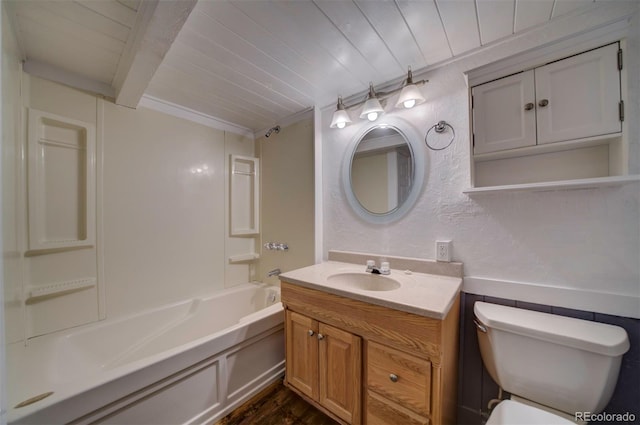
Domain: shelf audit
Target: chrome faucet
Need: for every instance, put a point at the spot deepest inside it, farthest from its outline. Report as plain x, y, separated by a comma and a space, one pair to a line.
274, 272
383, 270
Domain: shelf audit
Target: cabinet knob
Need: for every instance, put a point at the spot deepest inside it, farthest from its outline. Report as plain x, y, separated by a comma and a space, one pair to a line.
543, 103
393, 377
529, 106
310, 332
320, 336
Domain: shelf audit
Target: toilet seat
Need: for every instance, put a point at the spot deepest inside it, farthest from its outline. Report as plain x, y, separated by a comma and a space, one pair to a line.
509, 412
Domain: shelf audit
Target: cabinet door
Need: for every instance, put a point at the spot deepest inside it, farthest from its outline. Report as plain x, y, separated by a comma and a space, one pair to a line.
302, 353
504, 114
578, 97
340, 372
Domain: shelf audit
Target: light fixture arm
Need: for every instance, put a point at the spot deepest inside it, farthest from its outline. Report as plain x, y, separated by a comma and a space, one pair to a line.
372, 92
409, 77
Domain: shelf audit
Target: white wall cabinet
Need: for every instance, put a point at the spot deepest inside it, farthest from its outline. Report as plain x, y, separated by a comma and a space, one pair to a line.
573, 98
558, 121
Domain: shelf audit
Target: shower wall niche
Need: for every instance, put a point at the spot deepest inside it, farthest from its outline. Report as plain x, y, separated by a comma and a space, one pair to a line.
245, 196
244, 209
61, 182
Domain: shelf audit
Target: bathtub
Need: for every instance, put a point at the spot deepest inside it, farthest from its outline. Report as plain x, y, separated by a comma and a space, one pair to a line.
190, 362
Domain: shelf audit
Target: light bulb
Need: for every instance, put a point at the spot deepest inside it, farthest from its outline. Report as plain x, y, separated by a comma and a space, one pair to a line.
409, 103
372, 116
341, 124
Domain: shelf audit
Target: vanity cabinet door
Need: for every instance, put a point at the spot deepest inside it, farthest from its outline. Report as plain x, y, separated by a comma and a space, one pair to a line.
504, 114
302, 353
340, 371
324, 363
578, 97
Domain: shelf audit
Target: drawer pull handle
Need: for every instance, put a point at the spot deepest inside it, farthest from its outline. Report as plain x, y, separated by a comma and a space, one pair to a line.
310, 332
393, 377
320, 336
528, 106
543, 103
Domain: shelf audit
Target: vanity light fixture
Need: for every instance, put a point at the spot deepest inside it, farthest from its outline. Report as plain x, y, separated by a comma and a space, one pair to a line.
410, 95
340, 116
372, 108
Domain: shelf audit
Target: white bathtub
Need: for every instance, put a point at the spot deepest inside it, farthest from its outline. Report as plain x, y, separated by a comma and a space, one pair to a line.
190, 362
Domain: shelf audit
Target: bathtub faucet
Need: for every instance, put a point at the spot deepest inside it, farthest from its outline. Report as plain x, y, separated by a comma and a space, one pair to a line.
274, 272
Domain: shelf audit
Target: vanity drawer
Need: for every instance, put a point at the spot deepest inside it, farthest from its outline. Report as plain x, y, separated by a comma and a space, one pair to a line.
382, 412
400, 377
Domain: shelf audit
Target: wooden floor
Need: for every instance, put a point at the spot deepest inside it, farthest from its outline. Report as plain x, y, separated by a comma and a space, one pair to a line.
276, 405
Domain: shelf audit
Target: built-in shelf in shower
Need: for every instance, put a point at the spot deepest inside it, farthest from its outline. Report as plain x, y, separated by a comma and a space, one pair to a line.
243, 258
60, 288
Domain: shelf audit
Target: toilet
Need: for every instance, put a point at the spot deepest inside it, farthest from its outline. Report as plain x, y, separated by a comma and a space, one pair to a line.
553, 366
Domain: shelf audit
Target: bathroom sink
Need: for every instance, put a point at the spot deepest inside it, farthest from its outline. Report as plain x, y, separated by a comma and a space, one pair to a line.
364, 281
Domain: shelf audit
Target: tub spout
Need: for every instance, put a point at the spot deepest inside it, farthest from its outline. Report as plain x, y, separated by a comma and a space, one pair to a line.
274, 272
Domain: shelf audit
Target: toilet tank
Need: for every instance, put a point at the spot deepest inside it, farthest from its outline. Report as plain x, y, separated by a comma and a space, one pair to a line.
567, 364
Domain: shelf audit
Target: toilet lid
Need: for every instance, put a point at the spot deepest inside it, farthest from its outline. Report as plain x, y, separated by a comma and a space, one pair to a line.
510, 412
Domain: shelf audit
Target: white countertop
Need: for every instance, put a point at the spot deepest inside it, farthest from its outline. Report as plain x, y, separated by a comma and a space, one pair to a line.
423, 294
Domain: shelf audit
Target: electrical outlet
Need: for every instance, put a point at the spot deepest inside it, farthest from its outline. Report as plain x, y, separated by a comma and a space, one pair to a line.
444, 251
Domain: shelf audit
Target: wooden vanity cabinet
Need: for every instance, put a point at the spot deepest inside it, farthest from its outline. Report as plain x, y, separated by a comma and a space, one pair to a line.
378, 365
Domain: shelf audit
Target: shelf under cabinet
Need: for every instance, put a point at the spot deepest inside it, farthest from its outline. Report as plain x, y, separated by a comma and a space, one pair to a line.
549, 148
557, 185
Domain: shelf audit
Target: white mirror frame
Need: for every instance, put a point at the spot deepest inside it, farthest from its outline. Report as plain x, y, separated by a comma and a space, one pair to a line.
414, 140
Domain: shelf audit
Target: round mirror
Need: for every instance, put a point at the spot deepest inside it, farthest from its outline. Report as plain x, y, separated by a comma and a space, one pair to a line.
384, 174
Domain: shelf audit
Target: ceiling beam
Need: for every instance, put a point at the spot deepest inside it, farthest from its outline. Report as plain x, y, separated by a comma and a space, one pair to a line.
157, 25
68, 78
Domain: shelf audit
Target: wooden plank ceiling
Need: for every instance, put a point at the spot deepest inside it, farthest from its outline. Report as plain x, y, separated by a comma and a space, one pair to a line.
255, 62
85, 37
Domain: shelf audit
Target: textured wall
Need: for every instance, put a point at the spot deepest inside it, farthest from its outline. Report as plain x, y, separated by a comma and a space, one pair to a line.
586, 239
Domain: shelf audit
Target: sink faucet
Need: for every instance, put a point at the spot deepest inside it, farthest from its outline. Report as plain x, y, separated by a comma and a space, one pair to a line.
383, 270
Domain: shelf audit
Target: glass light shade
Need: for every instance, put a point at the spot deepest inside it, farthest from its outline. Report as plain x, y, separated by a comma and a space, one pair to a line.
340, 119
410, 96
371, 109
